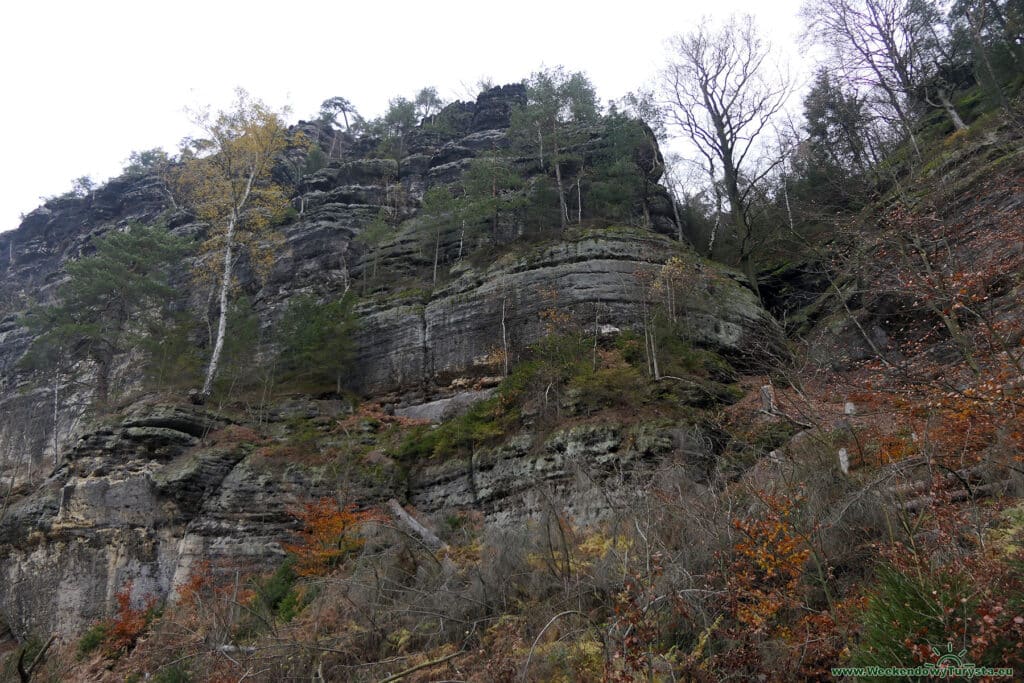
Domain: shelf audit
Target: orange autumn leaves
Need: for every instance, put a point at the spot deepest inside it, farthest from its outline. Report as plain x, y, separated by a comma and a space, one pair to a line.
768, 595
770, 559
328, 535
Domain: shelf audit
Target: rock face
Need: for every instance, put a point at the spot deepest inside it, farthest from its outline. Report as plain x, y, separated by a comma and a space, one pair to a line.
31, 256
585, 472
448, 333
444, 408
31, 259
417, 338
97, 522
147, 497
146, 494
412, 337
139, 499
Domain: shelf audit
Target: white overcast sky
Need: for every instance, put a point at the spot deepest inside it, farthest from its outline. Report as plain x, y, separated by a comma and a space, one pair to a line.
86, 82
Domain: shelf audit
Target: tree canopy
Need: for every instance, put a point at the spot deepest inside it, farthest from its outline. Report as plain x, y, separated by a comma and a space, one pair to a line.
111, 300
558, 105
315, 340
226, 178
721, 93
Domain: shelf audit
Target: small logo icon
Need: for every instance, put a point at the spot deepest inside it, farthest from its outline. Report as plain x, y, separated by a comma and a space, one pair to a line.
947, 659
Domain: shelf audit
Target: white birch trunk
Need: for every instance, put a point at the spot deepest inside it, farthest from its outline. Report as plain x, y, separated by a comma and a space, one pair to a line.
225, 284
954, 116
579, 203
561, 194
56, 418
437, 249
504, 335
654, 354
714, 234
222, 322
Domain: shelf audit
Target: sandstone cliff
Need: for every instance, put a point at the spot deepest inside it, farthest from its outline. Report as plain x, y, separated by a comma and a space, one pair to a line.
146, 492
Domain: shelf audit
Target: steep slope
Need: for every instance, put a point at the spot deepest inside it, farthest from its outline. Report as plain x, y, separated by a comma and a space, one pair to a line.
587, 516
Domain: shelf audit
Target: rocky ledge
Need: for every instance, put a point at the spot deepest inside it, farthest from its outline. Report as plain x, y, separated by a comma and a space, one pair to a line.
146, 497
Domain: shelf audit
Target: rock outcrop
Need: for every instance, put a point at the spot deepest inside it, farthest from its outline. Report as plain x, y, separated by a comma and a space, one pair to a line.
147, 497
145, 494
433, 338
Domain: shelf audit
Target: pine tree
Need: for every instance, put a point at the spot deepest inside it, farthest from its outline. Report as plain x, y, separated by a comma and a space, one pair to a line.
110, 302
491, 188
316, 341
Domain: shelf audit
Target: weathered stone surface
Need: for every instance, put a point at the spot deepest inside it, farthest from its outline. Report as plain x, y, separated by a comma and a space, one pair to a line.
461, 323
584, 471
114, 511
190, 420
444, 408
146, 495
63, 581
494, 107
123, 508
62, 228
31, 259
190, 479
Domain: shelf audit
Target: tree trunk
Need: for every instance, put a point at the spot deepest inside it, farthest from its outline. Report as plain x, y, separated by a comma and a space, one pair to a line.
654, 352
714, 233
409, 522
504, 335
225, 283
650, 344
747, 265
437, 249
958, 122
102, 380
222, 323
494, 200
675, 213
739, 222
25, 675
56, 417
564, 214
579, 202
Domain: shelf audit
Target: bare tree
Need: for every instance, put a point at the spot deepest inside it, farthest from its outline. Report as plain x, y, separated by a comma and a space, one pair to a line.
893, 48
721, 92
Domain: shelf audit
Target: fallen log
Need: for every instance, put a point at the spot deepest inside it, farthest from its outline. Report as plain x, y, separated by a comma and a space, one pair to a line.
428, 537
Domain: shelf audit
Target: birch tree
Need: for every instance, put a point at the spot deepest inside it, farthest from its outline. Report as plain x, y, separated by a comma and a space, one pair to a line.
438, 214
226, 179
